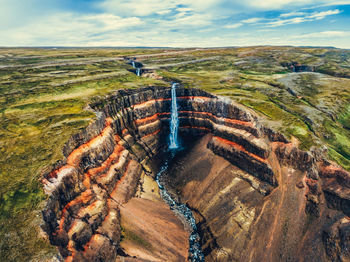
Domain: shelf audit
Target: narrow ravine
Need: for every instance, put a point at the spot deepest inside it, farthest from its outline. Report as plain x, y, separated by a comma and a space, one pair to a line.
195, 253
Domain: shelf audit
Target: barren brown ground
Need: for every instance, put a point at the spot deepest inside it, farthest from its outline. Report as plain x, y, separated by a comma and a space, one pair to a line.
160, 234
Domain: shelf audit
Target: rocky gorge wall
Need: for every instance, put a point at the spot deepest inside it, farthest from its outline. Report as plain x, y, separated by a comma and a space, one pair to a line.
104, 164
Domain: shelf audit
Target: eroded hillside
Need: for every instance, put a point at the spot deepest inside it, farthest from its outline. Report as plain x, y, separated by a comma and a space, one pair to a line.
45, 93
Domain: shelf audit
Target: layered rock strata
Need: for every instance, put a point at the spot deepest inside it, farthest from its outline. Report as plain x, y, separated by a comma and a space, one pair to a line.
104, 163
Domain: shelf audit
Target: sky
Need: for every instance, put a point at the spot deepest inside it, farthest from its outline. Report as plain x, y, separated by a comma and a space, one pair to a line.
170, 23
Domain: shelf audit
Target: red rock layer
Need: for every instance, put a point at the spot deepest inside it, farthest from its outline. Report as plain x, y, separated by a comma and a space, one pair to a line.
103, 165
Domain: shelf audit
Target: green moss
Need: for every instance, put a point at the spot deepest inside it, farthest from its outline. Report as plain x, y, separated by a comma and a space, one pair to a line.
344, 118
290, 125
129, 235
338, 140
35, 123
340, 159
39, 112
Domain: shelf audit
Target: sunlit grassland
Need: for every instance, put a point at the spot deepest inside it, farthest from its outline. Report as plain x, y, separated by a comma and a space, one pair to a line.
317, 114
40, 108
38, 114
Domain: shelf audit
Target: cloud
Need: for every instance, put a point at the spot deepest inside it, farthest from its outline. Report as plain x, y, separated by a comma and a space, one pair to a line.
290, 4
109, 21
137, 8
334, 3
290, 14
322, 15
285, 19
301, 19
182, 20
67, 29
177, 23
149, 7
184, 9
324, 34
233, 26
163, 12
274, 4
251, 20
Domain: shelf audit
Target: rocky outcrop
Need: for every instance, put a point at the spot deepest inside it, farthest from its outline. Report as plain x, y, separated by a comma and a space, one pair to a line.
336, 239
297, 67
104, 163
336, 187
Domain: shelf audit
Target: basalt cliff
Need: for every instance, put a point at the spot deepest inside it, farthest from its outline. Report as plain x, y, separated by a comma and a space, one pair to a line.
254, 194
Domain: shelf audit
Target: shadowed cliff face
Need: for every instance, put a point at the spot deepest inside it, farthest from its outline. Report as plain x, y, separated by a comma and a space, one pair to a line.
254, 193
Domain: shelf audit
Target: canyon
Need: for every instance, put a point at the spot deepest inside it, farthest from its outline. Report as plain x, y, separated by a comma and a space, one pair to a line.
254, 194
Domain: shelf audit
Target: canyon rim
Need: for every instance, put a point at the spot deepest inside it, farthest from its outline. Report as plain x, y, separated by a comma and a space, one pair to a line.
168, 131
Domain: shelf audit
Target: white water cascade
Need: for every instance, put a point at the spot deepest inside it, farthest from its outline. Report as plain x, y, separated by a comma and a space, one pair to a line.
138, 71
174, 122
195, 253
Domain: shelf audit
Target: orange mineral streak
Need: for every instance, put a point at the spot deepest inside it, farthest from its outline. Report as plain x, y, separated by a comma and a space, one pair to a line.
227, 120
150, 102
92, 239
74, 158
151, 134
149, 118
54, 173
168, 99
111, 167
239, 147
196, 127
108, 214
72, 250
90, 207
121, 179
154, 117
70, 243
87, 245
195, 97
84, 198
86, 195
146, 119
106, 164
72, 227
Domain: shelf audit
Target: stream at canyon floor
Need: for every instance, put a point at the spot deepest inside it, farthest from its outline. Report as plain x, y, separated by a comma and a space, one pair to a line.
195, 253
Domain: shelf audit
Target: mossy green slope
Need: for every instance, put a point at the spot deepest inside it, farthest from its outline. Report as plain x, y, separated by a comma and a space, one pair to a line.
45, 93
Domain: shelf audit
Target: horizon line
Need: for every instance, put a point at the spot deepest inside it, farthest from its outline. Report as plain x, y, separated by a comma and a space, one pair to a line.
166, 47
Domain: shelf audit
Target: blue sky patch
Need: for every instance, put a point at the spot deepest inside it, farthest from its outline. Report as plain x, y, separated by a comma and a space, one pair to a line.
170, 23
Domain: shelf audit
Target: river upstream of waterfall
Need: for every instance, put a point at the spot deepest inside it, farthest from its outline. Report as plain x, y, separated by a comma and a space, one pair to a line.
195, 249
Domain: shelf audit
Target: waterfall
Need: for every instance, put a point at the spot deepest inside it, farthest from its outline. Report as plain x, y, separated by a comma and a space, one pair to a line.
174, 122
137, 67
195, 253
138, 71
